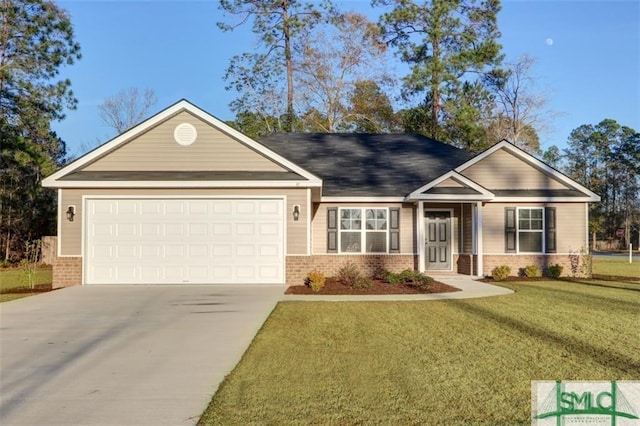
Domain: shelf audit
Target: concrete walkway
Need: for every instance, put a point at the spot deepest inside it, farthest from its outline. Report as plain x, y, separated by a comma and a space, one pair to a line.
470, 289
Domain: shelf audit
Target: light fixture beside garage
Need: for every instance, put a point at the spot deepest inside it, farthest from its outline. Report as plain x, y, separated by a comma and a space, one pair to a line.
296, 212
71, 212
185, 134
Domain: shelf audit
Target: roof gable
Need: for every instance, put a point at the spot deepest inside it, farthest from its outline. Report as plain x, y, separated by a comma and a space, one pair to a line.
149, 152
451, 186
157, 150
506, 170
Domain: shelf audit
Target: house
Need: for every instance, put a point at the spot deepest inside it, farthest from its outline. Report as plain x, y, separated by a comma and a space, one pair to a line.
184, 198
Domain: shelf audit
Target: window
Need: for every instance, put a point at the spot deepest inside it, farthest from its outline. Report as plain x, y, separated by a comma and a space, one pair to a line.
363, 230
530, 229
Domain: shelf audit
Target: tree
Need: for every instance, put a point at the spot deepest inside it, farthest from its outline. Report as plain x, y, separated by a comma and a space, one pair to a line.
36, 40
467, 113
277, 25
445, 42
126, 108
255, 77
331, 61
370, 110
255, 125
553, 157
521, 113
604, 158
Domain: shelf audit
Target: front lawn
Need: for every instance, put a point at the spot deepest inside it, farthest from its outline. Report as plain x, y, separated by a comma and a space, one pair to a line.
617, 266
14, 286
432, 362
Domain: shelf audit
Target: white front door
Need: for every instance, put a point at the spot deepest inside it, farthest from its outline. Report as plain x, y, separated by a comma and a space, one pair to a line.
173, 241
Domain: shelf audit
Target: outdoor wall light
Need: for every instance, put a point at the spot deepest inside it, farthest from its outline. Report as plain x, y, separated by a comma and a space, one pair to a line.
71, 212
296, 212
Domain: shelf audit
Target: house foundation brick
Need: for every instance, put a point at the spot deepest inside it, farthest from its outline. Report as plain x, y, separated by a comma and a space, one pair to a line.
67, 272
299, 266
541, 261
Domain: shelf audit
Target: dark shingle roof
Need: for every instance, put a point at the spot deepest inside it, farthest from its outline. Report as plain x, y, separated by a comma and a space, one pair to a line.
368, 164
176, 176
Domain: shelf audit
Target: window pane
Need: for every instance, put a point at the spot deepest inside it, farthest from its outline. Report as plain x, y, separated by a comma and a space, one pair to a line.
523, 213
531, 242
355, 213
376, 242
536, 213
345, 224
382, 214
382, 224
536, 223
523, 224
350, 242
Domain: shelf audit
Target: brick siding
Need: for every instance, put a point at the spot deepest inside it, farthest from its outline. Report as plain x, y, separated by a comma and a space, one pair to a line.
67, 271
523, 260
299, 266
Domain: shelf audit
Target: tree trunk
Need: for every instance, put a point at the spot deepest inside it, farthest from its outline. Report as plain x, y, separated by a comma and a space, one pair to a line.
287, 55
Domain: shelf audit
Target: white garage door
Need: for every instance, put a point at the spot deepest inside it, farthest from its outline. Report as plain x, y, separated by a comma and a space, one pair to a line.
172, 241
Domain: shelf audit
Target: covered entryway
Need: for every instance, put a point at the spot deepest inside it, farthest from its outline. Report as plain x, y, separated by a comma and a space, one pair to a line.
438, 240
184, 240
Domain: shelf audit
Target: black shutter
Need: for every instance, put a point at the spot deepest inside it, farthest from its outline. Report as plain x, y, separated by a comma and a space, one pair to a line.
550, 229
394, 230
510, 229
332, 230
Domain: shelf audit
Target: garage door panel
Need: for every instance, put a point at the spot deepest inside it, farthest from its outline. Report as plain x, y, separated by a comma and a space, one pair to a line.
184, 241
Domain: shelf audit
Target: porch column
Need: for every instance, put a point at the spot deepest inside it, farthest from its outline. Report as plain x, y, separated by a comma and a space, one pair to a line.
420, 238
478, 235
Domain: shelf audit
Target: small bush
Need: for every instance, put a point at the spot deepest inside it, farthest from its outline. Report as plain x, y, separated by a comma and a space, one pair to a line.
315, 280
408, 275
393, 279
421, 282
553, 271
363, 282
501, 272
348, 274
530, 271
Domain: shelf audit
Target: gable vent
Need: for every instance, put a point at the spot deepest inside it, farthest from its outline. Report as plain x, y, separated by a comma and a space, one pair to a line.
185, 134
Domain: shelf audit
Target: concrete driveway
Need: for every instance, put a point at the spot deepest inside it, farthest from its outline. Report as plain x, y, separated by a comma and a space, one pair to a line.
123, 355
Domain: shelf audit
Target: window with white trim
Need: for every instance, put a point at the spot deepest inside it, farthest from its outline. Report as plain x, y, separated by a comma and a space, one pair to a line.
530, 230
363, 230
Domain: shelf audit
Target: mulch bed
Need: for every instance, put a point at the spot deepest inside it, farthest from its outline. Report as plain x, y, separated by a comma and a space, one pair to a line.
334, 287
39, 288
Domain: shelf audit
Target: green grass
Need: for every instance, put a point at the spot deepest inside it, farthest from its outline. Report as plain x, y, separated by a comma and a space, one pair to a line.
618, 266
433, 362
14, 286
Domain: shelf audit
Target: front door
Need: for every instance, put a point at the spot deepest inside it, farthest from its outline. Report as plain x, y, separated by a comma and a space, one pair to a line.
438, 240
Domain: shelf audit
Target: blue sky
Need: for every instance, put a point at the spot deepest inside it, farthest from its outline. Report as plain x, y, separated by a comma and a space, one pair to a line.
588, 56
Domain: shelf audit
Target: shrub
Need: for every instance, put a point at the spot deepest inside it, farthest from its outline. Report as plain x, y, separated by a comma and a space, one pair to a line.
348, 274
408, 275
530, 271
393, 279
421, 281
501, 272
363, 282
315, 280
553, 271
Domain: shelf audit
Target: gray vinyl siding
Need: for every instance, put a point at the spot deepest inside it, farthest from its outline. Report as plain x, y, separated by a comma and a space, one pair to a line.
449, 183
71, 232
502, 170
570, 226
407, 225
156, 150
